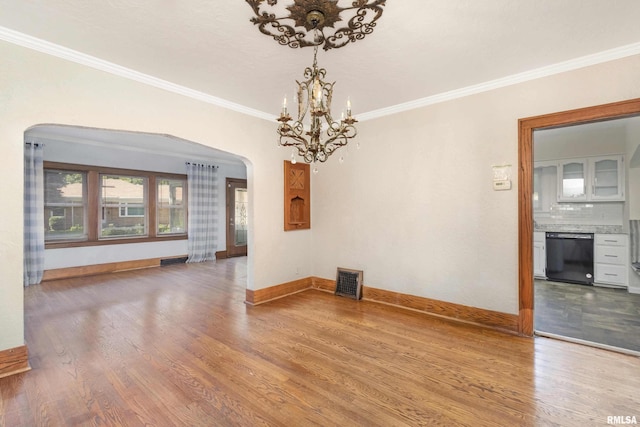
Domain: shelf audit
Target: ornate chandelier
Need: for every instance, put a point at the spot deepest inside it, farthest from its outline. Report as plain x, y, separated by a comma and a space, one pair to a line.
315, 135
314, 101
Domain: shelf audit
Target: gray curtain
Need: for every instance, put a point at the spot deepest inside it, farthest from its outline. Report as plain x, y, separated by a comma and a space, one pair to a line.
203, 200
33, 214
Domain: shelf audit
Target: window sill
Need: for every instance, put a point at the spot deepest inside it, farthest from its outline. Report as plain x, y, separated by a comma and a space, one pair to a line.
118, 241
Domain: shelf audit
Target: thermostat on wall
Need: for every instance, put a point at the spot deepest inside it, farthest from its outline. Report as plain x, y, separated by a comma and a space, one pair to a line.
504, 184
501, 177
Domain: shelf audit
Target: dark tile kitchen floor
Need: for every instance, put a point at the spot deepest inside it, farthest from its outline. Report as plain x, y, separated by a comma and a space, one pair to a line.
590, 313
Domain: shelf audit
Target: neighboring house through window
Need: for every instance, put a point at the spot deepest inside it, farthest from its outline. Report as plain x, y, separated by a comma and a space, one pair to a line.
123, 206
65, 205
88, 205
171, 207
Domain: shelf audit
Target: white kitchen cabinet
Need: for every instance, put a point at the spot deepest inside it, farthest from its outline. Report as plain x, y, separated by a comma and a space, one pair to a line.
594, 179
545, 185
539, 255
611, 259
607, 178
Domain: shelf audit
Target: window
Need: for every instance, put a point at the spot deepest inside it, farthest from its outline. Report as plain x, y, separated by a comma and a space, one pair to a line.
65, 205
57, 212
127, 210
170, 206
88, 205
123, 205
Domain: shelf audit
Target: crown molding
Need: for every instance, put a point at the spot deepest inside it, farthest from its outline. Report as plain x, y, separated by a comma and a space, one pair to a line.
40, 45
58, 51
561, 67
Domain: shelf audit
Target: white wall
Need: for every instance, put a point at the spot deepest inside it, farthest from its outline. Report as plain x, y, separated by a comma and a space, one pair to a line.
414, 207
91, 255
36, 88
633, 189
633, 170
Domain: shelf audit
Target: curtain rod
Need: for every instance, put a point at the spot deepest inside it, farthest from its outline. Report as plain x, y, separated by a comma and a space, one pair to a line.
203, 165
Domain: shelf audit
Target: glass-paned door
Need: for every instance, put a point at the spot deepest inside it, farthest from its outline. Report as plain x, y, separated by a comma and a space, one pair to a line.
237, 217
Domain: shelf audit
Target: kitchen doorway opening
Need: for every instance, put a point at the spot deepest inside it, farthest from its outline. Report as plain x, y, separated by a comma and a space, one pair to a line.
585, 186
527, 126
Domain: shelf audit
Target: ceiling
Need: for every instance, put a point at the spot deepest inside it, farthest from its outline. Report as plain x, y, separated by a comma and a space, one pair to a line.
419, 50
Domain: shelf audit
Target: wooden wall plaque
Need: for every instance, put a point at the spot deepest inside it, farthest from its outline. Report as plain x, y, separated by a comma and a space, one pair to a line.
297, 196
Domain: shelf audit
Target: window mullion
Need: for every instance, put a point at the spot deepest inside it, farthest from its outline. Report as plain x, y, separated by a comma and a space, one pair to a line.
93, 197
151, 203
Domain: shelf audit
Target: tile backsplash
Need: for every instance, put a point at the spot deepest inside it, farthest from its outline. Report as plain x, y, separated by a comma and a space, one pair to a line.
582, 214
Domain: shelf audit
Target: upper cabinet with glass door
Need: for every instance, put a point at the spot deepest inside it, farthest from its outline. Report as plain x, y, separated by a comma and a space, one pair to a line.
572, 180
591, 179
607, 178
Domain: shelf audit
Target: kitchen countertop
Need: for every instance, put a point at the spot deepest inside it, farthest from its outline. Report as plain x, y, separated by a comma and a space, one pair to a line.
571, 228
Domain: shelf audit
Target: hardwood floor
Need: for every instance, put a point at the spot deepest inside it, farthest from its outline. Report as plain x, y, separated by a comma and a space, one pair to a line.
590, 313
176, 346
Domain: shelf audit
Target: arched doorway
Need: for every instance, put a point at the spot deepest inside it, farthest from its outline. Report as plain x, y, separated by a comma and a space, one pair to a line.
129, 150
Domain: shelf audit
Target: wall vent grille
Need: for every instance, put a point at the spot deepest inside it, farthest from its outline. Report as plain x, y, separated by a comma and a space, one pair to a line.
349, 283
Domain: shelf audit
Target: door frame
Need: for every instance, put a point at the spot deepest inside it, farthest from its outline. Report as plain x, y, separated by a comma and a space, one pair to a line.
526, 127
231, 214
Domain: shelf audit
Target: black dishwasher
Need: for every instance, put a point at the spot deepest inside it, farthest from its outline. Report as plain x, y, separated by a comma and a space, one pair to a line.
570, 257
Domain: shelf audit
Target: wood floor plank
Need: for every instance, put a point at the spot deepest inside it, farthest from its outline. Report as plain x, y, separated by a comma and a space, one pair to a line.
350, 345
176, 346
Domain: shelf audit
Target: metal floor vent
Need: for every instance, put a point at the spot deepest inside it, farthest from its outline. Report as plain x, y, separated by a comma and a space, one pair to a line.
349, 283
169, 261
